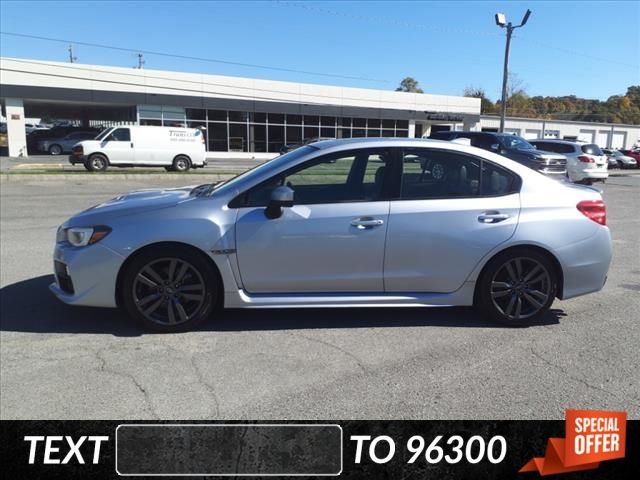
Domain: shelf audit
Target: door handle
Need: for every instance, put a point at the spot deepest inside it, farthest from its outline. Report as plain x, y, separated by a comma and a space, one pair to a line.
364, 223
492, 216
131, 144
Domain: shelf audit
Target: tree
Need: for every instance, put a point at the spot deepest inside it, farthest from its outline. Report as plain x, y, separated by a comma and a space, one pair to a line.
486, 105
409, 84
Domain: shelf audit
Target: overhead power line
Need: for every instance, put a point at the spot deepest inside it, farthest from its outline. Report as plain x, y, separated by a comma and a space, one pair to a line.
198, 59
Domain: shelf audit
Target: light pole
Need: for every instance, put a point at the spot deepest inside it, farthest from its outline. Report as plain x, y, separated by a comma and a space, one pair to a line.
501, 21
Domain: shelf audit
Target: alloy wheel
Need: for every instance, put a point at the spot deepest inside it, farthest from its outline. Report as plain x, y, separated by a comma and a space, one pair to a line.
168, 291
521, 288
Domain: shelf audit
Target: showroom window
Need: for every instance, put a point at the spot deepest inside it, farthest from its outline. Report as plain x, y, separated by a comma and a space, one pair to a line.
241, 131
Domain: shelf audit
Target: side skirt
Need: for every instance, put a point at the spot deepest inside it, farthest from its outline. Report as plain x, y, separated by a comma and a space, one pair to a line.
241, 299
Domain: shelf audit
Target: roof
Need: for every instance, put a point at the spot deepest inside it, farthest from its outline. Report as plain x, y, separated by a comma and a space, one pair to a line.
326, 144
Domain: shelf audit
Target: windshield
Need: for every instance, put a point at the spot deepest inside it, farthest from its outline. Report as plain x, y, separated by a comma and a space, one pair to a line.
103, 133
258, 170
513, 141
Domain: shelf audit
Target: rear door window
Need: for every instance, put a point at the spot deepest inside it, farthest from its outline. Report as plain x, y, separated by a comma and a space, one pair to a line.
591, 149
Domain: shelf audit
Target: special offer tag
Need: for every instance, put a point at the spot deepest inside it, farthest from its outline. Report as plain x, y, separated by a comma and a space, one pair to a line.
592, 436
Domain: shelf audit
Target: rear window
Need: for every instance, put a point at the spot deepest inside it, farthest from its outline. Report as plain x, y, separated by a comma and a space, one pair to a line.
554, 147
591, 149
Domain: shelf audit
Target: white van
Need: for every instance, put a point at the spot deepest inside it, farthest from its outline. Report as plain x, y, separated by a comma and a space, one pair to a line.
174, 148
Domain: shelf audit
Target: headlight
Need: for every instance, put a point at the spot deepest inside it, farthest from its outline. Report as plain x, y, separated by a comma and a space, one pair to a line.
83, 236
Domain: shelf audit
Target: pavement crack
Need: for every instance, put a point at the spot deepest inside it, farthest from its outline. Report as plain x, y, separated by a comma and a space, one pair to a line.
335, 347
566, 372
103, 368
202, 381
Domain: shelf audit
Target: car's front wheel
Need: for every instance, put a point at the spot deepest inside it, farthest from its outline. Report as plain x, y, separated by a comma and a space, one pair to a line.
97, 163
517, 287
169, 289
55, 149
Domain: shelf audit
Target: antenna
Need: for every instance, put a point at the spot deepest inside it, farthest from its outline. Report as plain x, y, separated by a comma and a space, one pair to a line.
140, 61
72, 59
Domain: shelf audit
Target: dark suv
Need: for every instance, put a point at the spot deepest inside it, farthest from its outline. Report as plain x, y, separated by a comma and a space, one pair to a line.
513, 147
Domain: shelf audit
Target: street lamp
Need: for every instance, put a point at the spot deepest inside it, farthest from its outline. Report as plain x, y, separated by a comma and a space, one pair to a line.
501, 21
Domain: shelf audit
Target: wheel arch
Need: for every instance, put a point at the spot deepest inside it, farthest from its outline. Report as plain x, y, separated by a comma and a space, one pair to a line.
168, 245
102, 154
525, 246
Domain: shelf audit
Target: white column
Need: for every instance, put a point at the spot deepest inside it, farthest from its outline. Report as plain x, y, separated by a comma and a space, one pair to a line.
16, 135
471, 126
412, 128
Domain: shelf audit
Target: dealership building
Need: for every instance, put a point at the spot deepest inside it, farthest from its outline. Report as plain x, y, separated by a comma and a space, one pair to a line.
250, 118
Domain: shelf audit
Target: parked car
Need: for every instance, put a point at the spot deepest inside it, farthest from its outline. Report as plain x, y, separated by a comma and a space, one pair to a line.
308, 141
174, 148
513, 147
633, 154
32, 127
618, 160
586, 163
353, 222
56, 146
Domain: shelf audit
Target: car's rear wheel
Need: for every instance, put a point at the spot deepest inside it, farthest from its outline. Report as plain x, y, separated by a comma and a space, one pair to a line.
169, 289
97, 163
55, 149
181, 163
517, 287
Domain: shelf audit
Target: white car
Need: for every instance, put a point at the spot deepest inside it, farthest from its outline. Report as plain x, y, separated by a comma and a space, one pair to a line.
586, 163
174, 148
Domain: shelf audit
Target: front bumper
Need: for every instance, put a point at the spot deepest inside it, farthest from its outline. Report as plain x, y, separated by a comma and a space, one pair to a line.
73, 159
86, 275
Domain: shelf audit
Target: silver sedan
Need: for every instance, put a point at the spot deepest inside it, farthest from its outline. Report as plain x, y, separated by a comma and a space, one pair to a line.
342, 223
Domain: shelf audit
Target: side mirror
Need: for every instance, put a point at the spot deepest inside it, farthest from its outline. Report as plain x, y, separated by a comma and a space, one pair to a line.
280, 197
495, 146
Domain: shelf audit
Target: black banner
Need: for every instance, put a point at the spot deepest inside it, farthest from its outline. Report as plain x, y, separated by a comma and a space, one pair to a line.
345, 449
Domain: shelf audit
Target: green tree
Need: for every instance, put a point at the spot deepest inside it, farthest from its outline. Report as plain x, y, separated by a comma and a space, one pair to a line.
486, 105
409, 84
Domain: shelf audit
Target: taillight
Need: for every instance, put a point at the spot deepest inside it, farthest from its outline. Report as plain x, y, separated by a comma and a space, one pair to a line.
586, 159
594, 210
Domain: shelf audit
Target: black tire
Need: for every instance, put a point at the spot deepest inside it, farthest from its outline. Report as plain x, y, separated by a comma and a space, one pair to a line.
150, 296
169, 169
97, 163
181, 163
86, 166
55, 149
517, 298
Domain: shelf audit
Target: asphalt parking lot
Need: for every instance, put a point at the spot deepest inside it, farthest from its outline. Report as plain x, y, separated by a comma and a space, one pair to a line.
83, 363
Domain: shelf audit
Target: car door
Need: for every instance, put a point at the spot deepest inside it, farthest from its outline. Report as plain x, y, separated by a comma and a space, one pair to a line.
118, 146
331, 240
452, 209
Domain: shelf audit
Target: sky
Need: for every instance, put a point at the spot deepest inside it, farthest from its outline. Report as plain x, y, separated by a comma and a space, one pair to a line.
587, 49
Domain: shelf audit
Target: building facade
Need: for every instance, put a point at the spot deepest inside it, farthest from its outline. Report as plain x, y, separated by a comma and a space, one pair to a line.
243, 117
251, 118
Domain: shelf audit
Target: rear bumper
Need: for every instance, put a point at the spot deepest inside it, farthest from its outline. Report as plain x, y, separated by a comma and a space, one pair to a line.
585, 264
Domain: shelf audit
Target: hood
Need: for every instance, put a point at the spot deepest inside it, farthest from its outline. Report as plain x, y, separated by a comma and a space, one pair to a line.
132, 203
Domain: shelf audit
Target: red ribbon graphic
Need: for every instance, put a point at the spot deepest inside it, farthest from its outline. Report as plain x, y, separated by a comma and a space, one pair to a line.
592, 436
